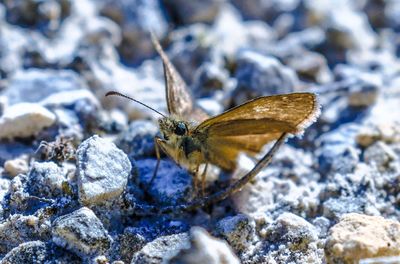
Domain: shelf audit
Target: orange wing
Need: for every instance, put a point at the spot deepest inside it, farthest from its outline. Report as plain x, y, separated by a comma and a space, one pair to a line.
248, 127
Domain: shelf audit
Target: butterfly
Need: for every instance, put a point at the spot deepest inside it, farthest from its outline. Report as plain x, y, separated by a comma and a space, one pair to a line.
191, 138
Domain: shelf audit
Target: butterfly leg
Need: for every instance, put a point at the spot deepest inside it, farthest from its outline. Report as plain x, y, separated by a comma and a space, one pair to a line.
203, 180
157, 149
195, 181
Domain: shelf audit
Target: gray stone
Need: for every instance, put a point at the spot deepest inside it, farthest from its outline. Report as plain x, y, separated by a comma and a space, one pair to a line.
46, 179
238, 230
34, 252
205, 249
103, 170
257, 75
380, 154
162, 249
293, 230
81, 232
24, 120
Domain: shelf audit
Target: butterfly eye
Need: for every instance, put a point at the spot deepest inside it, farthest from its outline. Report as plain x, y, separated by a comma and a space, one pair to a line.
180, 129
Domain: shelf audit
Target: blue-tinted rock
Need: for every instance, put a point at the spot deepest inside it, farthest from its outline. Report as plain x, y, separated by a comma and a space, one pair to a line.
172, 184
17, 229
337, 152
34, 252
46, 179
257, 75
334, 208
138, 139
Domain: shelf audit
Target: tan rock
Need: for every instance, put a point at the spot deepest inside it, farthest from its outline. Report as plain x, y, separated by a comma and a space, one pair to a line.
387, 132
359, 236
16, 166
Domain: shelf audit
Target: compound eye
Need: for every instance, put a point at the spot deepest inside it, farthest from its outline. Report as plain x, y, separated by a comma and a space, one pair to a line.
180, 129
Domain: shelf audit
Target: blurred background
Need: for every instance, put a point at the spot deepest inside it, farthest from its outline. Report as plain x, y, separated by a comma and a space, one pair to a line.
58, 58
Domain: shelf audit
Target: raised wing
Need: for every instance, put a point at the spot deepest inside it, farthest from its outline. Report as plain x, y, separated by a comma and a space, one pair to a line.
179, 100
248, 127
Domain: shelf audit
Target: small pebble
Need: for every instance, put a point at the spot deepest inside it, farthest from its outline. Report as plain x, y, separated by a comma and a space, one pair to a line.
24, 120
16, 166
238, 230
103, 171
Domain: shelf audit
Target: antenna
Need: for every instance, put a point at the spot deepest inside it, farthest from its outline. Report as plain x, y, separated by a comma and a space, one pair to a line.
130, 98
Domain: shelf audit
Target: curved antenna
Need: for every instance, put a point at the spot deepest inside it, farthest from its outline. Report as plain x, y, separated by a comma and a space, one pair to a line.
130, 98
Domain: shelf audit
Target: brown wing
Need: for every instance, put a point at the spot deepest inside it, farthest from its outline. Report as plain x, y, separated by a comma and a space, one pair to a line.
248, 127
179, 100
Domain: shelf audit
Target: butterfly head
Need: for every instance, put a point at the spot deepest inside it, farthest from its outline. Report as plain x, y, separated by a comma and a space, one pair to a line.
171, 128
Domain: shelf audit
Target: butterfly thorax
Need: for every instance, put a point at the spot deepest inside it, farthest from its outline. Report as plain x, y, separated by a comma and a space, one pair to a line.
179, 144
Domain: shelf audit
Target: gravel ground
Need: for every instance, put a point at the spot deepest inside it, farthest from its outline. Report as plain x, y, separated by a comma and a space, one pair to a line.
75, 166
